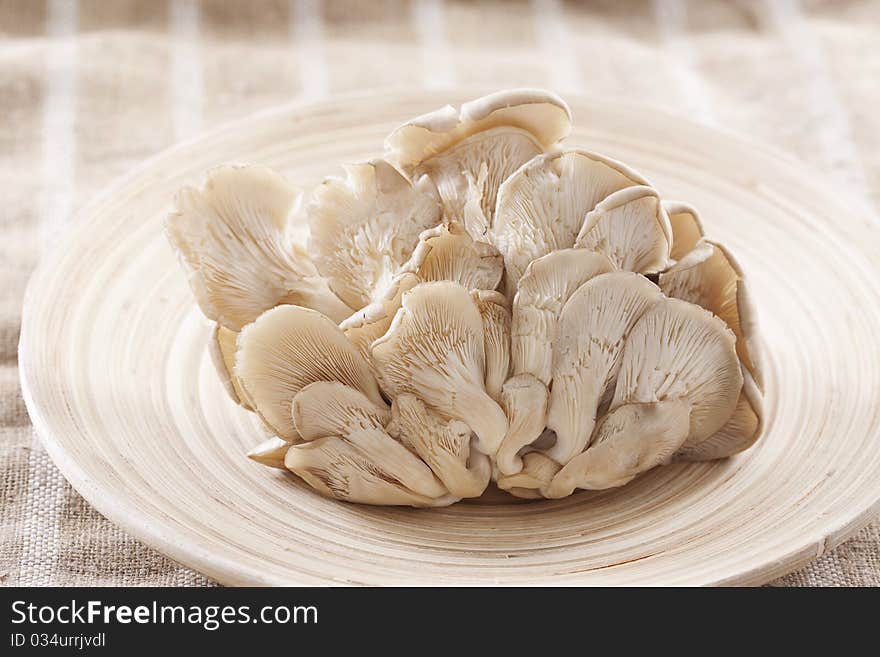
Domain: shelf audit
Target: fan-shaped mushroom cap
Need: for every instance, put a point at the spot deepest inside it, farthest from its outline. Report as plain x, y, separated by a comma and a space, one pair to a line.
524, 399
631, 228
234, 238
434, 349
587, 353
444, 445
542, 206
542, 114
448, 253
371, 322
493, 307
222, 347
738, 434
547, 284
679, 350
629, 440
710, 277
537, 473
330, 408
366, 466
687, 227
364, 228
286, 349
270, 452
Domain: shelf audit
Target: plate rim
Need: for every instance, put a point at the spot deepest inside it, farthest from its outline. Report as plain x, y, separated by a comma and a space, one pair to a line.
193, 555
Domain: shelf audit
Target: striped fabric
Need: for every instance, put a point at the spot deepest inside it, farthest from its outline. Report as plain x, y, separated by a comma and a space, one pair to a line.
88, 88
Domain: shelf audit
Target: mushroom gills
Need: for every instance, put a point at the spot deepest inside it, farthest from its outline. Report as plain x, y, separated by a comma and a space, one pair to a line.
496, 338
330, 408
448, 253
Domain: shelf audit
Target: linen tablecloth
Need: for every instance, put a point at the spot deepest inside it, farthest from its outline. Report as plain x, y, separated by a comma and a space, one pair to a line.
89, 88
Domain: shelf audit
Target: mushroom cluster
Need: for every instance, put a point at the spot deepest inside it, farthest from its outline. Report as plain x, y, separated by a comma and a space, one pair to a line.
479, 305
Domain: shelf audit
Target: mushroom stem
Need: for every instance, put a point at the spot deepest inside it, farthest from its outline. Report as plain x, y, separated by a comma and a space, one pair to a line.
525, 401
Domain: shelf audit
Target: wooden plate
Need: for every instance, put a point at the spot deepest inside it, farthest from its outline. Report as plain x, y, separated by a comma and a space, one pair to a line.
119, 384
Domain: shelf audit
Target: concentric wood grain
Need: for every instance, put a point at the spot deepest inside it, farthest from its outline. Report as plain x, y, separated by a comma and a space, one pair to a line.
120, 385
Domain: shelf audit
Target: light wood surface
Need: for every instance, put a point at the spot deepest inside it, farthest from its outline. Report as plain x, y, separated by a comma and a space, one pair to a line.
120, 386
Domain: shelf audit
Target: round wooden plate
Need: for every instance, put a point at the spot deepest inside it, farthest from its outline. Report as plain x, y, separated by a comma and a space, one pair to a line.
120, 386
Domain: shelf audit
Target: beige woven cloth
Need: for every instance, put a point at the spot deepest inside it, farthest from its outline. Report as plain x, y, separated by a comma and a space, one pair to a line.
89, 88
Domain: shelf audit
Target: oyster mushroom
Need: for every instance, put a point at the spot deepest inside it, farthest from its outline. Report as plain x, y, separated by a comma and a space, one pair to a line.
687, 228
469, 152
286, 349
493, 307
270, 452
330, 408
587, 354
536, 474
710, 277
366, 466
524, 399
364, 228
629, 226
370, 323
547, 284
444, 445
234, 239
222, 347
448, 253
435, 350
542, 206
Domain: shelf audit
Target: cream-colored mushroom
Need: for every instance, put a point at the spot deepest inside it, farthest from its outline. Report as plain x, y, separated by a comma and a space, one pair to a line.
435, 350
235, 240
710, 277
679, 350
445, 445
687, 227
270, 452
494, 311
222, 347
366, 466
536, 474
524, 399
363, 228
587, 354
629, 440
469, 152
330, 408
629, 226
370, 323
286, 349
542, 206
738, 434
448, 253
547, 284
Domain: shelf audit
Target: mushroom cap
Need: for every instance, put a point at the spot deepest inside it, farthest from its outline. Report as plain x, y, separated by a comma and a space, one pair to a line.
330, 408
494, 311
629, 226
367, 466
435, 350
541, 113
234, 238
678, 349
739, 433
710, 277
542, 206
588, 351
629, 440
289, 347
370, 323
687, 227
524, 399
363, 228
447, 253
546, 285
222, 347
444, 445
